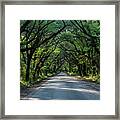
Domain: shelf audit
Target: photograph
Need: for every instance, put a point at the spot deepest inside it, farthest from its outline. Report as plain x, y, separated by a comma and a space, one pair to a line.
59, 59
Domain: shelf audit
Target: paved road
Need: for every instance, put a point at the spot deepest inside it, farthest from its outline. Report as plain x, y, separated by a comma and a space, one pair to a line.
64, 87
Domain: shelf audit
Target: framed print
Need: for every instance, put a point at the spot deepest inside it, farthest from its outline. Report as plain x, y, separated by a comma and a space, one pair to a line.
59, 59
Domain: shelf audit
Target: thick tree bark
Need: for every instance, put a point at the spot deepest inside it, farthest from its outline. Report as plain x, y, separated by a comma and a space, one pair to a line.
29, 57
28, 69
79, 70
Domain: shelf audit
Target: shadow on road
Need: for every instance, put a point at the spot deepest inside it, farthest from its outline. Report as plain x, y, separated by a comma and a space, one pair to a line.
64, 87
65, 94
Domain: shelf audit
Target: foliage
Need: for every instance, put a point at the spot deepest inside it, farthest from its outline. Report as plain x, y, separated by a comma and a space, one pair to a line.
48, 47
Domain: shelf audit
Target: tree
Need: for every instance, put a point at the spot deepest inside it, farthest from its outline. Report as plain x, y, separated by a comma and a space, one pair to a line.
50, 46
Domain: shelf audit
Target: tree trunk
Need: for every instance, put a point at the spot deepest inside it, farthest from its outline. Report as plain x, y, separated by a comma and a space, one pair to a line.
29, 56
28, 69
79, 69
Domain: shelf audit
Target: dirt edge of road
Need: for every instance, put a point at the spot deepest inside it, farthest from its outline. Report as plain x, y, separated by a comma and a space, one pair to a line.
24, 90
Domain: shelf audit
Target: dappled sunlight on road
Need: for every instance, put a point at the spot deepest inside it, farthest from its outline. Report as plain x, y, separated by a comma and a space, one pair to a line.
62, 77
64, 87
83, 90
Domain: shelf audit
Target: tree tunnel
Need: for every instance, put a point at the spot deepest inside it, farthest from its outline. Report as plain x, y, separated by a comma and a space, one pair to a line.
48, 47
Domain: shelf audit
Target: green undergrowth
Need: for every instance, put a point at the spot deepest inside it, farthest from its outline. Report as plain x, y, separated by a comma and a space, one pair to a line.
24, 84
71, 73
31, 83
91, 78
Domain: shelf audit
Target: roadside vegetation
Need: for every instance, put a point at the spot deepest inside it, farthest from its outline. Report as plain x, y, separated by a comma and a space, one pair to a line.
48, 47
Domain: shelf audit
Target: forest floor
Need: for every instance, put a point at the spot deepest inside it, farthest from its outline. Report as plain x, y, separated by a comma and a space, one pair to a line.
63, 87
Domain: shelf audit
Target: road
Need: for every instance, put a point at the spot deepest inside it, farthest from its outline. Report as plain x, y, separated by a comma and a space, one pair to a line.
64, 87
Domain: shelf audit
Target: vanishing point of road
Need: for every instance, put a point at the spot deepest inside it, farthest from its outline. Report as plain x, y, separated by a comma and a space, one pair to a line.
64, 87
